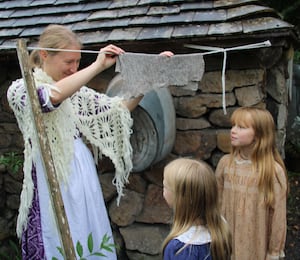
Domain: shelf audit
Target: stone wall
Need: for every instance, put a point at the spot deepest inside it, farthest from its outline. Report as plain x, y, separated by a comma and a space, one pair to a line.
142, 220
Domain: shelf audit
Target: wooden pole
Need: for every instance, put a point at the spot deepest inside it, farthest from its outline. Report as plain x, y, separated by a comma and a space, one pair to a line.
54, 190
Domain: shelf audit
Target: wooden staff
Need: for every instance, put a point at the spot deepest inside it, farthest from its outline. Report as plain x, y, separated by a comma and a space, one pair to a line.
54, 190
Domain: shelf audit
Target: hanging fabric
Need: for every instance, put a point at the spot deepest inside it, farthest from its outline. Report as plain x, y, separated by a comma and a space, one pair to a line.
141, 73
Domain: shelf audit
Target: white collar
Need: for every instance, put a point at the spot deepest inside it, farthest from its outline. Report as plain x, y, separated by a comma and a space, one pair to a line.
197, 235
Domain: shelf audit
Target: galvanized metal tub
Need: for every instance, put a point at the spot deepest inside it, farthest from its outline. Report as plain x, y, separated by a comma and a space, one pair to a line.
154, 127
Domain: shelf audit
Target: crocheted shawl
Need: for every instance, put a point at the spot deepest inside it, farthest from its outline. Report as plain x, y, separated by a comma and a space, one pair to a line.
104, 122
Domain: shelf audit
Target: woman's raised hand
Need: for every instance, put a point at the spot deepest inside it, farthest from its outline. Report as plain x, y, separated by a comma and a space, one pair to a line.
107, 55
166, 53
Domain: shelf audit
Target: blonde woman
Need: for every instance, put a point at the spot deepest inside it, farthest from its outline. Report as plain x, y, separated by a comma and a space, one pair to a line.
198, 231
252, 182
71, 111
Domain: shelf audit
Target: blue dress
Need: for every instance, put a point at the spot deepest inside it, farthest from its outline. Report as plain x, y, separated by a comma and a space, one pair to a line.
194, 244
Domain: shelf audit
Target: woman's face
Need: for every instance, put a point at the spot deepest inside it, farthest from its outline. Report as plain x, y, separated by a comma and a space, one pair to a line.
61, 64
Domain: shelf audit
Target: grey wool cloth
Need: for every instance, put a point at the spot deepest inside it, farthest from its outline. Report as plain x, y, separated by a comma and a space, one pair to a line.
141, 73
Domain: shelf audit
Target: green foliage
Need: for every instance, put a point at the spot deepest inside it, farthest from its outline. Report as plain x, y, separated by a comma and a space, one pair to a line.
295, 133
104, 246
15, 251
292, 145
13, 161
297, 57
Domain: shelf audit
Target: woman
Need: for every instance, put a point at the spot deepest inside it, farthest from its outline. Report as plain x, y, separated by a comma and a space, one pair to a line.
72, 111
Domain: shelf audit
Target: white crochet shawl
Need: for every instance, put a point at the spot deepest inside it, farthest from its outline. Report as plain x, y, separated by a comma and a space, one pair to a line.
104, 122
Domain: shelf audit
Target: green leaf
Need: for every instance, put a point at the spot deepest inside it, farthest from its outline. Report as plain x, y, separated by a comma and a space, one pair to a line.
107, 248
4, 255
60, 250
105, 245
105, 239
90, 243
79, 249
13, 161
13, 245
99, 254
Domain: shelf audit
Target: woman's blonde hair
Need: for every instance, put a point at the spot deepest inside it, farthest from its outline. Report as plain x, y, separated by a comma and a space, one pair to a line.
55, 37
195, 195
265, 152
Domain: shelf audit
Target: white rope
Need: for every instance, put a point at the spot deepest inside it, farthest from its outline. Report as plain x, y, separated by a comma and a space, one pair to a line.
212, 50
49, 49
223, 83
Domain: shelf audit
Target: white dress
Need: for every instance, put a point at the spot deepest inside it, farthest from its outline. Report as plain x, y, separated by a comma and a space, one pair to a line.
106, 124
84, 206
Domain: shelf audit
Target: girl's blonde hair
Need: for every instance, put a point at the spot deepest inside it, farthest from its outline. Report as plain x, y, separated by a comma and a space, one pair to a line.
195, 195
265, 152
55, 37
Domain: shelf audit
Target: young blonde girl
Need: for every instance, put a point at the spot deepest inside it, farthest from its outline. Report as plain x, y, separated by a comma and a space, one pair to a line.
252, 183
198, 230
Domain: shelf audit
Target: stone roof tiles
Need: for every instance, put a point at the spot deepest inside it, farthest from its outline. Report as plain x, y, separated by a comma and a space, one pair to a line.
100, 22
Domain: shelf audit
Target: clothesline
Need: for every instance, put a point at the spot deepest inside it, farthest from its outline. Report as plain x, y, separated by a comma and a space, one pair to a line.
213, 50
48, 49
209, 49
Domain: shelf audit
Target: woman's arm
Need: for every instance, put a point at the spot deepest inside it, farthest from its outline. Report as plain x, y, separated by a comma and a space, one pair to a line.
69, 85
131, 104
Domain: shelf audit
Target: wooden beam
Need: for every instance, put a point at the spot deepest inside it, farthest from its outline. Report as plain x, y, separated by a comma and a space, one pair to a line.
54, 190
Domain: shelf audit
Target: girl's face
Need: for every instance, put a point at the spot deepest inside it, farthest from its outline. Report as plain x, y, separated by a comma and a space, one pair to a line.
167, 192
242, 136
62, 64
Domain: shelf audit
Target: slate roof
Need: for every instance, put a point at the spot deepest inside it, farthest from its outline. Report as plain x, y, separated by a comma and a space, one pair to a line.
142, 21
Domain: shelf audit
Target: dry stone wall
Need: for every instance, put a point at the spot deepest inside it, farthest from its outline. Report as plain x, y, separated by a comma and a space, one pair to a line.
142, 220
